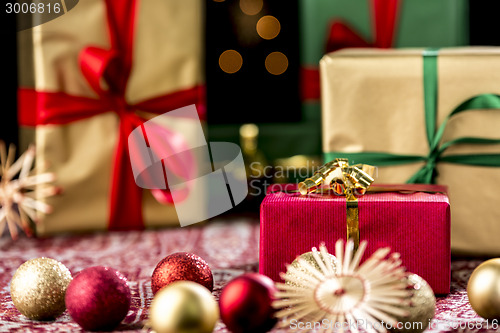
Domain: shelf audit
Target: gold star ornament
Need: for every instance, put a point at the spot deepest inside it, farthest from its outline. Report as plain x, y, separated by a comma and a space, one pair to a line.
340, 294
21, 191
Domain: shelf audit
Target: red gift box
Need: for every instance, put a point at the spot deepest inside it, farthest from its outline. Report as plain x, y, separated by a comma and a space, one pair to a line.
414, 222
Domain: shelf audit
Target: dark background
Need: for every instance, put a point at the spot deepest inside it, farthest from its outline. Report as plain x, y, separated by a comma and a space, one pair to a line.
484, 23
8, 77
239, 98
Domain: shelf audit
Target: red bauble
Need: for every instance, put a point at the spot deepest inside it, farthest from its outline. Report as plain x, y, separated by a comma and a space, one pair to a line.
98, 298
246, 304
181, 266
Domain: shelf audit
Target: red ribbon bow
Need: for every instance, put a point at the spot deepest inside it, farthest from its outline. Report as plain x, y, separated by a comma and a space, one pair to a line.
112, 67
341, 35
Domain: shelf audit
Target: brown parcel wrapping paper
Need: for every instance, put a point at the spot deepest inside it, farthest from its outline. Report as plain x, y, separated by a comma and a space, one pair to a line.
372, 100
167, 57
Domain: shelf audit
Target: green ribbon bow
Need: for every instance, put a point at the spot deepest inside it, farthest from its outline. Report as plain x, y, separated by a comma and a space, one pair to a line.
427, 173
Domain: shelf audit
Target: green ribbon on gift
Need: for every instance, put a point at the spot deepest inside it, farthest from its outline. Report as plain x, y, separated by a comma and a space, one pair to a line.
427, 173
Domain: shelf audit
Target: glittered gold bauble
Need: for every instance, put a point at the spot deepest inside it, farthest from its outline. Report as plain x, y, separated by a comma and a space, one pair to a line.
421, 309
183, 307
38, 288
483, 289
309, 258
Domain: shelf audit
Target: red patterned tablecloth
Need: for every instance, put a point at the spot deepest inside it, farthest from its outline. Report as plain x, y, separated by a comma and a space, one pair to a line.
229, 248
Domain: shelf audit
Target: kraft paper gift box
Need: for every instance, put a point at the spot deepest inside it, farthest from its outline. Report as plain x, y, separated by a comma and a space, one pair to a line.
417, 225
89, 77
422, 116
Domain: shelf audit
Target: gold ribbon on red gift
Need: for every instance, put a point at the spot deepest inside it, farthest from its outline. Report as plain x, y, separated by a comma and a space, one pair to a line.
345, 180
359, 177
111, 66
340, 179
341, 35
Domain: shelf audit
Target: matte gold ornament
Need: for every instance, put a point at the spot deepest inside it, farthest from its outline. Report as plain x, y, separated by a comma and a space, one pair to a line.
308, 257
422, 308
183, 307
483, 291
38, 288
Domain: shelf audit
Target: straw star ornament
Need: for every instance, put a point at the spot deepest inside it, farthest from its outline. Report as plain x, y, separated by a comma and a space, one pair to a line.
341, 294
19, 202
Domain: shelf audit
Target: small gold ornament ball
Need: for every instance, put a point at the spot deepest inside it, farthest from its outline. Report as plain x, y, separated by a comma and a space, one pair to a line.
483, 289
422, 308
308, 256
183, 307
38, 288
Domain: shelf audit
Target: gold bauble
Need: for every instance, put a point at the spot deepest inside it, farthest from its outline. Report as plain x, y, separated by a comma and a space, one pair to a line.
309, 258
183, 307
483, 289
38, 288
422, 308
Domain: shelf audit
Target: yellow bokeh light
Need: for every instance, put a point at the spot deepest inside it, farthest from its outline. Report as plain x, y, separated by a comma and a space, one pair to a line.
230, 61
268, 27
251, 7
276, 63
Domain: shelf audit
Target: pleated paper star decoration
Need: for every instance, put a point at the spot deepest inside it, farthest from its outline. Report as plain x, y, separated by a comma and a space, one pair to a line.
338, 294
19, 202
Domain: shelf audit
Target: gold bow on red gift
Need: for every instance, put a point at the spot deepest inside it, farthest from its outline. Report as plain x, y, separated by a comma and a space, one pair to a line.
341, 178
346, 180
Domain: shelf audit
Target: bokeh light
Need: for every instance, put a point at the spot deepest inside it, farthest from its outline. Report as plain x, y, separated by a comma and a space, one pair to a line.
251, 7
276, 63
230, 61
268, 27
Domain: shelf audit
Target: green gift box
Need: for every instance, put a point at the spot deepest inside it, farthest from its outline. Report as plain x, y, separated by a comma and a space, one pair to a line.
417, 23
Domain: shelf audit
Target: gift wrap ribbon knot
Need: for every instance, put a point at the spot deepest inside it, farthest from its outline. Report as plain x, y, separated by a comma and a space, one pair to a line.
107, 72
427, 174
345, 180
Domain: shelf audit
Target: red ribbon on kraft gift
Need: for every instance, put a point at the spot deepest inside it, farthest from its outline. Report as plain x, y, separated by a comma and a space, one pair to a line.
341, 35
112, 66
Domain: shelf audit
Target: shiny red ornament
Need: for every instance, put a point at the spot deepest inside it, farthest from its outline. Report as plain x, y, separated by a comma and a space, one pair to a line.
246, 304
98, 298
181, 266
